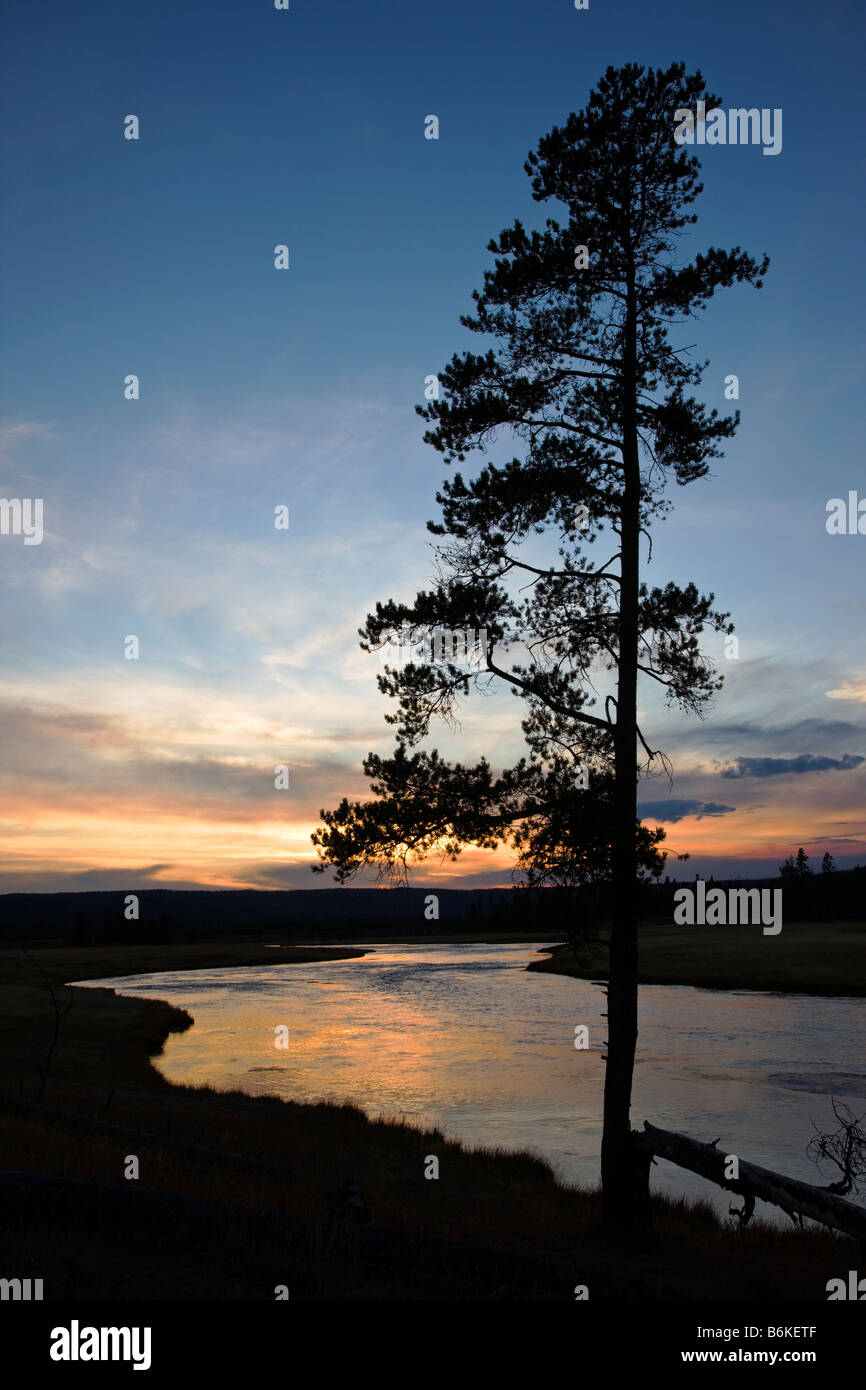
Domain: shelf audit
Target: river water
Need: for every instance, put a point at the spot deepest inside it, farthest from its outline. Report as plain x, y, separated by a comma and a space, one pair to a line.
462, 1037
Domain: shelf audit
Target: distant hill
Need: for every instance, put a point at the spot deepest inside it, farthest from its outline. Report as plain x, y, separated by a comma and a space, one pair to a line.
171, 914
331, 914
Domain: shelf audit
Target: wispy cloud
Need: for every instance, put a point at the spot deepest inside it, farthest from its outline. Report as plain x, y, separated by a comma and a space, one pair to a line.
780, 767
850, 690
15, 433
674, 810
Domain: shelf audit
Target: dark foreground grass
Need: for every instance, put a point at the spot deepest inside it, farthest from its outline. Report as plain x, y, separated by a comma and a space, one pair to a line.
825, 958
237, 1195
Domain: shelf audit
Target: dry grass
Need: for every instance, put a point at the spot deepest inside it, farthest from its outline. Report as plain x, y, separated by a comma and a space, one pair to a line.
826, 958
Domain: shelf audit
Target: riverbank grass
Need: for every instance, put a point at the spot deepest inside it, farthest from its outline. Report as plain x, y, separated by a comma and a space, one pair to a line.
822, 958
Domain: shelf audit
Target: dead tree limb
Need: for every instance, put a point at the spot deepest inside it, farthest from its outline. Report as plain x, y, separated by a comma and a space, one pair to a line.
845, 1148
796, 1199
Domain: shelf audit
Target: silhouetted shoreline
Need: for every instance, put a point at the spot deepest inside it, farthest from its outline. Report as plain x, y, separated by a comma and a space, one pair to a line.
818, 958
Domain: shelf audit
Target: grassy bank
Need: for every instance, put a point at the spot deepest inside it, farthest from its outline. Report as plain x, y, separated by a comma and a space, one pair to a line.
805, 958
237, 1195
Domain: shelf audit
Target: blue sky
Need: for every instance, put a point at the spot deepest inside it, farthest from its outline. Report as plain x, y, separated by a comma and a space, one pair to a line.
259, 387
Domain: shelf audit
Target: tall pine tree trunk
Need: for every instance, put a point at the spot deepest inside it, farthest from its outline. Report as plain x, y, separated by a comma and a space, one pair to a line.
624, 1169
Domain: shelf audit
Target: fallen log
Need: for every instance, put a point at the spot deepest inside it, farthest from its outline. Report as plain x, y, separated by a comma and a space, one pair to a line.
796, 1199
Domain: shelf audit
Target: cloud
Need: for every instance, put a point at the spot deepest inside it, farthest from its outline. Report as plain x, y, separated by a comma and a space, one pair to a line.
801, 731
780, 767
674, 810
271, 874
111, 878
850, 690
114, 880
837, 840
12, 435
278, 874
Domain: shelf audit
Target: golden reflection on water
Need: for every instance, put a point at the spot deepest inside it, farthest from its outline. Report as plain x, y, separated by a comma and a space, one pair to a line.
462, 1037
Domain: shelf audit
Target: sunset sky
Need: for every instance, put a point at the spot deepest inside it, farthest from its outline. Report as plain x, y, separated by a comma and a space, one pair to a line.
262, 387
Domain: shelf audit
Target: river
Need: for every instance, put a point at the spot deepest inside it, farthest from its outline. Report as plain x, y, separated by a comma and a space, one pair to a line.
463, 1038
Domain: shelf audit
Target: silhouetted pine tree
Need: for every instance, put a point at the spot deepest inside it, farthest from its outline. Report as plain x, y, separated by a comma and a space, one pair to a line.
579, 369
